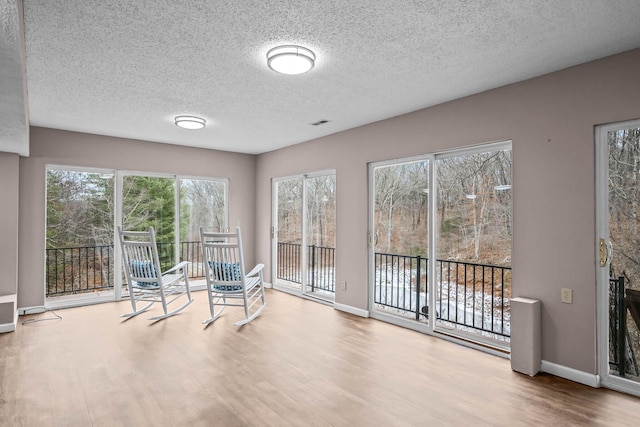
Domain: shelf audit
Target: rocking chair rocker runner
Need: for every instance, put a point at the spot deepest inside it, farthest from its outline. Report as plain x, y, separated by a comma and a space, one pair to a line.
227, 283
145, 279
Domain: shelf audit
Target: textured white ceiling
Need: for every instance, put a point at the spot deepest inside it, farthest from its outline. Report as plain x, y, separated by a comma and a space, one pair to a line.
126, 68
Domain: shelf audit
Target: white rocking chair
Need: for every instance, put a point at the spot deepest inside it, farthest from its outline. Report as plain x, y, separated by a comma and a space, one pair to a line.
145, 279
227, 283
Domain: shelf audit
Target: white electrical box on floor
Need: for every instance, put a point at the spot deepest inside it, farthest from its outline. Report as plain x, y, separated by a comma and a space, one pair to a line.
526, 336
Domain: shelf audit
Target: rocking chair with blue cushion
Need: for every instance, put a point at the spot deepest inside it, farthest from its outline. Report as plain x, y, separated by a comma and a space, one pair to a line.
145, 280
227, 283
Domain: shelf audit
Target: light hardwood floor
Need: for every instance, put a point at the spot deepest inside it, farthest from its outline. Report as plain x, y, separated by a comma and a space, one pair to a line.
299, 364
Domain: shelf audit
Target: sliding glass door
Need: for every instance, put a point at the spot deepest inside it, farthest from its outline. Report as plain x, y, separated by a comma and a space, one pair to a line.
177, 207
304, 234
440, 242
83, 208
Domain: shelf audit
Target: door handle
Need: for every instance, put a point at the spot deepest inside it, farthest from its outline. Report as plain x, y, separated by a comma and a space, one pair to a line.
372, 239
605, 251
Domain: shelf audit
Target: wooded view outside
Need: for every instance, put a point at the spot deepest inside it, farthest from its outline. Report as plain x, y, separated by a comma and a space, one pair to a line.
80, 207
289, 202
80, 222
474, 234
149, 201
315, 198
624, 204
474, 208
320, 209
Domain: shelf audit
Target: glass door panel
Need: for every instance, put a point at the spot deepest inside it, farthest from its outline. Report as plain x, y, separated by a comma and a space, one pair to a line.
473, 265
150, 201
304, 233
202, 204
619, 251
400, 239
288, 232
79, 233
320, 236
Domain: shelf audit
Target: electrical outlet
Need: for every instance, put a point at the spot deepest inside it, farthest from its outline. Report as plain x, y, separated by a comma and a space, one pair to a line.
566, 296
343, 285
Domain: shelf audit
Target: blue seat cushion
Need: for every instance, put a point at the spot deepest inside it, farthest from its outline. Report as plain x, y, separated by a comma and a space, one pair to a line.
143, 269
226, 272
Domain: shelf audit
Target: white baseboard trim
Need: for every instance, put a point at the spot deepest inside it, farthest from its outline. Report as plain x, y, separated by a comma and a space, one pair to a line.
622, 385
268, 285
350, 309
9, 327
198, 287
581, 377
31, 310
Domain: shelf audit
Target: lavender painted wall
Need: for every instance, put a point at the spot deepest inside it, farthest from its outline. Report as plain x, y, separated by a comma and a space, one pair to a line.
551, 122
49, 146
9, 164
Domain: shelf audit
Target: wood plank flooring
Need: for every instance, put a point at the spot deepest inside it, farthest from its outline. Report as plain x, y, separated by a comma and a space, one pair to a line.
299, 364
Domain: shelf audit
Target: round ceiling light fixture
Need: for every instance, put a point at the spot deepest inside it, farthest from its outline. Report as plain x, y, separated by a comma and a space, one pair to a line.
291, 59
190, 122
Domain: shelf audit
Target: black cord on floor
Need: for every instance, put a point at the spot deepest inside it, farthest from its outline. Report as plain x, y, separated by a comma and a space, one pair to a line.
29, 321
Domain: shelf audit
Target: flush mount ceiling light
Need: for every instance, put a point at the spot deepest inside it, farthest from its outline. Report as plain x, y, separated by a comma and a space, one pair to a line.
190, 122
291, 59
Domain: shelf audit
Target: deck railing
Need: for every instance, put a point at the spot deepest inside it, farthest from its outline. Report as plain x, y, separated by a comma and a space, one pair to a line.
78, 269
320, 273
75, 270
469, 295
474, 296
622, 354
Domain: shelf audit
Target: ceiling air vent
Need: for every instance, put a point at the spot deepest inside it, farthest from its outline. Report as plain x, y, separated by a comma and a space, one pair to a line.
319, 122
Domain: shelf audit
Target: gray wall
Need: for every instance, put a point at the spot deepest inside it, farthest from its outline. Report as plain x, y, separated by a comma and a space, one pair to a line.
9, 164
551, 122
49, 146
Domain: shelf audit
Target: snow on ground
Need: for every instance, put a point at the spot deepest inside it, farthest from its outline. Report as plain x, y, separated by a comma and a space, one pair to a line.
396, 292
454, 303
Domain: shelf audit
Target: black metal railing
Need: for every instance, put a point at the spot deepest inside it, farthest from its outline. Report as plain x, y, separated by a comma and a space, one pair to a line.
321, 266
75, 270
78, 269
469, 295
189, 251
289, 262
622, 357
